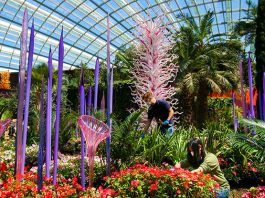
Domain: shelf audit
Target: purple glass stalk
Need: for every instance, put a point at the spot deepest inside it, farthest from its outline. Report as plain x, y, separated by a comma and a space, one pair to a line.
22, 68
263, 97
111, 92
58, 105
252, 113
89, 101
108, 96
41, 144
234, 111
82, 112
49, 116
96, 84
26, 110
243, 98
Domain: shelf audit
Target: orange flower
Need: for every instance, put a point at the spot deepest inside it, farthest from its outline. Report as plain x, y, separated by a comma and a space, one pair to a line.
186, 184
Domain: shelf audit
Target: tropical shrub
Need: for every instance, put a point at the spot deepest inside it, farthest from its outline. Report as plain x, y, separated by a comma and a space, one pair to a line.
157, 148
214, 135
220, 108
124, 139
252, 142
253, 173
141, 180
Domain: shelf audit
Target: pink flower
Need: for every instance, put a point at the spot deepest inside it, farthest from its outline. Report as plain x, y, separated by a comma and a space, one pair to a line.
135, 183
247, 195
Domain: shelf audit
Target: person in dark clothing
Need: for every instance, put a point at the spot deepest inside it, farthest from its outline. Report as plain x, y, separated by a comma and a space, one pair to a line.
161, 111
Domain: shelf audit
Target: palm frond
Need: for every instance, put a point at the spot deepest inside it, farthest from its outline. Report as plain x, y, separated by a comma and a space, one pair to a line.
213, 85
206, 25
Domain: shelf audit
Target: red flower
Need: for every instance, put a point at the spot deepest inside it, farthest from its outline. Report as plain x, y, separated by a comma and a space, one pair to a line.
200, 183
135, 183
186, 184
107, 192
153, 187
234, 173
3, 166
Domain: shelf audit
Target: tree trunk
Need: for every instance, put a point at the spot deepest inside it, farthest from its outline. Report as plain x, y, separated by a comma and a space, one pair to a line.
187, 104
202, 105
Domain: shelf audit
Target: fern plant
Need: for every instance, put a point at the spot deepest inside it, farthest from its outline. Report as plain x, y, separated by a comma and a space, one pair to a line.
255, 145
124, 139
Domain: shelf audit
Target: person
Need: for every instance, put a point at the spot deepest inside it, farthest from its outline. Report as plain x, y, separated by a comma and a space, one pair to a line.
205, 162
161, 111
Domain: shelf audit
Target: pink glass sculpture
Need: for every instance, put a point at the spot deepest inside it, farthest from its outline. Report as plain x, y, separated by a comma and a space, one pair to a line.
3, 126
94, 132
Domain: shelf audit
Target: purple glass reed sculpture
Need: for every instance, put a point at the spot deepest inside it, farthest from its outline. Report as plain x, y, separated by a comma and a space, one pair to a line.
4, 125
94, 132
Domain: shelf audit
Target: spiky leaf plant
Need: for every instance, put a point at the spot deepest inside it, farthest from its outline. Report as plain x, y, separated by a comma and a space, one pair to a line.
124, 138
249, 143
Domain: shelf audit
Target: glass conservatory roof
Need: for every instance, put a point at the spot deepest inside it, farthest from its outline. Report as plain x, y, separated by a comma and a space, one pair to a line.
84, 23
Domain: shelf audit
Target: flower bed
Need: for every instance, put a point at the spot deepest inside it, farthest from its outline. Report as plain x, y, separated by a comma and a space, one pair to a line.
144, 181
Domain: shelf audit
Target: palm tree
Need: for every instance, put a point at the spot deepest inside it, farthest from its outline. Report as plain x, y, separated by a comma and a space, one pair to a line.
204, 66
248, 27
124, 60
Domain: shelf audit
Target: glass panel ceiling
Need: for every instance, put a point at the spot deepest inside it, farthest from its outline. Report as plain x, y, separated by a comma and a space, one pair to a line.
84, 23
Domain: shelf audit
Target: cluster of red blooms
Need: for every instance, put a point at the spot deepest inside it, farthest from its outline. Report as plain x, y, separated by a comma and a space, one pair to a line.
28, 186
141, 180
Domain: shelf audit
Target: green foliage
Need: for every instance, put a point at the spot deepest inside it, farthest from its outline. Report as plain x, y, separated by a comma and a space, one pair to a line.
251, 174
221, 108
215, 135
157, 148
124, 62
67, 127
9, 101
124, 139
247, 27
204, 66
259, 43
254, 145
